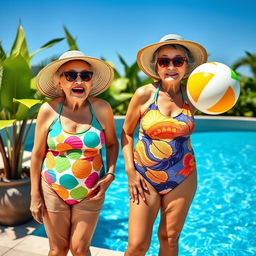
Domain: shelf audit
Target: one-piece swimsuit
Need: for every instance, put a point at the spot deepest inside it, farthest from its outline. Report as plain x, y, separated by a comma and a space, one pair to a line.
73, 162
163, 154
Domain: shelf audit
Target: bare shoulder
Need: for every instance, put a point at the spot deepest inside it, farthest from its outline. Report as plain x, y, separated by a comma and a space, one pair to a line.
99, 104
101, 107
103, 111
51, 106
48, 111
144, 93
145, 90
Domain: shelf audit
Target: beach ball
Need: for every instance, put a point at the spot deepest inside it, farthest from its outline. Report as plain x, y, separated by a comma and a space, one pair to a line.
213, 88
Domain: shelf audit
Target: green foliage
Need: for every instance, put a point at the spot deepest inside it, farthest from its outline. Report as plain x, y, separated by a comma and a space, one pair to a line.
123, 87
16, 78
246, 104
71, 41
19, 101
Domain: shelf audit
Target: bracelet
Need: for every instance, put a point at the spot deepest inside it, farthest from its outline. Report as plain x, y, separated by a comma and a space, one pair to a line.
110, 173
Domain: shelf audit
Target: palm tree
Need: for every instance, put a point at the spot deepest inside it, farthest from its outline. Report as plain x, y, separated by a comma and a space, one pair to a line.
249, 60
246, 105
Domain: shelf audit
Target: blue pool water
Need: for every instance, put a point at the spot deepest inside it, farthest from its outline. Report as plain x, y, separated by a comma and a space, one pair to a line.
221, 220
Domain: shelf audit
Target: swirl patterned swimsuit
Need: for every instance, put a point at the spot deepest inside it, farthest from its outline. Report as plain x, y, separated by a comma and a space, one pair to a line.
73, 162
163, 154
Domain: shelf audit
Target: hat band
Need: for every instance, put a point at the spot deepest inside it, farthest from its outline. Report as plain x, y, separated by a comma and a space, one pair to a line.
170, 40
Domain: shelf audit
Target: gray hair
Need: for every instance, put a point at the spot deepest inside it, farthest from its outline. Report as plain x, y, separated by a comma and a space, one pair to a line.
188, 55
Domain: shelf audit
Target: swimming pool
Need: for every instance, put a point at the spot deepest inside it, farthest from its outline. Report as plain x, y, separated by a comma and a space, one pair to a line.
221, 219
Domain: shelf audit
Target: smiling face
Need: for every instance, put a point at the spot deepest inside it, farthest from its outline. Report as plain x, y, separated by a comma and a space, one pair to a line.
76, 83
171, 73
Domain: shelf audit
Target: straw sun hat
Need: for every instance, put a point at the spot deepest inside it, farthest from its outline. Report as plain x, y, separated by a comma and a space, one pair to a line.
103, 74
145, 55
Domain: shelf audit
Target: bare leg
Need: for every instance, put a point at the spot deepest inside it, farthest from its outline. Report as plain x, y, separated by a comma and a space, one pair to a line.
83, 225
175, 206
57, 226
141, 220
56, 221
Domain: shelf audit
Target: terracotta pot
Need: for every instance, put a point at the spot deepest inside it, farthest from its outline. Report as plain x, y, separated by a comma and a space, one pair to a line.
15, 202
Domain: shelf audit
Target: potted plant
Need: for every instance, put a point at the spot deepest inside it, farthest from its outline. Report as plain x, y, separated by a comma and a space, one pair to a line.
19, 103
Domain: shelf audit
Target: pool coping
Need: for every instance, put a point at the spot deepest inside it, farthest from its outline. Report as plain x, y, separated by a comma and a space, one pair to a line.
18, 240
212, 117
217, 123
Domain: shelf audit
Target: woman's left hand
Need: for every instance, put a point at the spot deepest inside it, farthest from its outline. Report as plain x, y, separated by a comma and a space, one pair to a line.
102, 185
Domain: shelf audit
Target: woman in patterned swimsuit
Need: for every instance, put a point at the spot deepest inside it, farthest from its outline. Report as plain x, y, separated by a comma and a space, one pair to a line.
161, 169
68, 178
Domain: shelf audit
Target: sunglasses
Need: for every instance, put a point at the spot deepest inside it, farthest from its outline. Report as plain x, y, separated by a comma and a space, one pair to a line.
85, 76
176, 61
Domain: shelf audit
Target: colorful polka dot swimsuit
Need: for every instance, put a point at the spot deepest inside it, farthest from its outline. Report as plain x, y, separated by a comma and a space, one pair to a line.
163, 154
73, 162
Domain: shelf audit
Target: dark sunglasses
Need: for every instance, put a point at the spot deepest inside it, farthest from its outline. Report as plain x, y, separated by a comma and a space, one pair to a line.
85, 76
176, 61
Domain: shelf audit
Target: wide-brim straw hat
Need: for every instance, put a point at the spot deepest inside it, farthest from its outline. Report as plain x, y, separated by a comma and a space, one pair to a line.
103, 74
145, 55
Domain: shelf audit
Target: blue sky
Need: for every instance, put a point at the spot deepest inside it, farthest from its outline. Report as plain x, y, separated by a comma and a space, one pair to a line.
104, 28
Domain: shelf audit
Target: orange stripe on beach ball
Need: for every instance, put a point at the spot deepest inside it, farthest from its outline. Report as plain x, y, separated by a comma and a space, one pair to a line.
197, 82
225, 103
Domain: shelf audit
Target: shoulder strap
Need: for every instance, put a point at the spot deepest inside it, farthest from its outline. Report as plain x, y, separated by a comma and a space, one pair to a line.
60, 108
57, 119
184, 97
91, 109
156, 93
95, 122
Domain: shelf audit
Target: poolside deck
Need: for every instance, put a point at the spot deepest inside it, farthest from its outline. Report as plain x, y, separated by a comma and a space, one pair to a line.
18, 241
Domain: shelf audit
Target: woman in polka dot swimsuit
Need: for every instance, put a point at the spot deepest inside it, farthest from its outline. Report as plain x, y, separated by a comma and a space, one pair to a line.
68, 178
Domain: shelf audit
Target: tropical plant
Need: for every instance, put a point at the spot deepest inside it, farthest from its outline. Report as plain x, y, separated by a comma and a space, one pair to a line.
123, 87
246, 104
19, 102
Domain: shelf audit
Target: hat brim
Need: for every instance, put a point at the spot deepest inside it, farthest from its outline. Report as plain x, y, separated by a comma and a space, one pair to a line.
144, 56
103, 75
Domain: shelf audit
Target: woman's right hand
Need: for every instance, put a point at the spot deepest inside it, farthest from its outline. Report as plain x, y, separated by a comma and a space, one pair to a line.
37, 208
137, 186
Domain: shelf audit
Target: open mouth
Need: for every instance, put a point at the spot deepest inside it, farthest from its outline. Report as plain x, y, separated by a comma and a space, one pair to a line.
78, 90
170, 74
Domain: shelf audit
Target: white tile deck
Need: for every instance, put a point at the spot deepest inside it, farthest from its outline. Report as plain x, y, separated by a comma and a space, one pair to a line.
18, 241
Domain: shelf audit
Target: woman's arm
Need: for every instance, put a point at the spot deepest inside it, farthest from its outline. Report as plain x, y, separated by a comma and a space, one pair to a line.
136, 108
44, 118
106, 118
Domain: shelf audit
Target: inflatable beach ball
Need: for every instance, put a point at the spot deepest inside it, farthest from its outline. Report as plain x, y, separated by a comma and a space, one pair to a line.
213, 88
